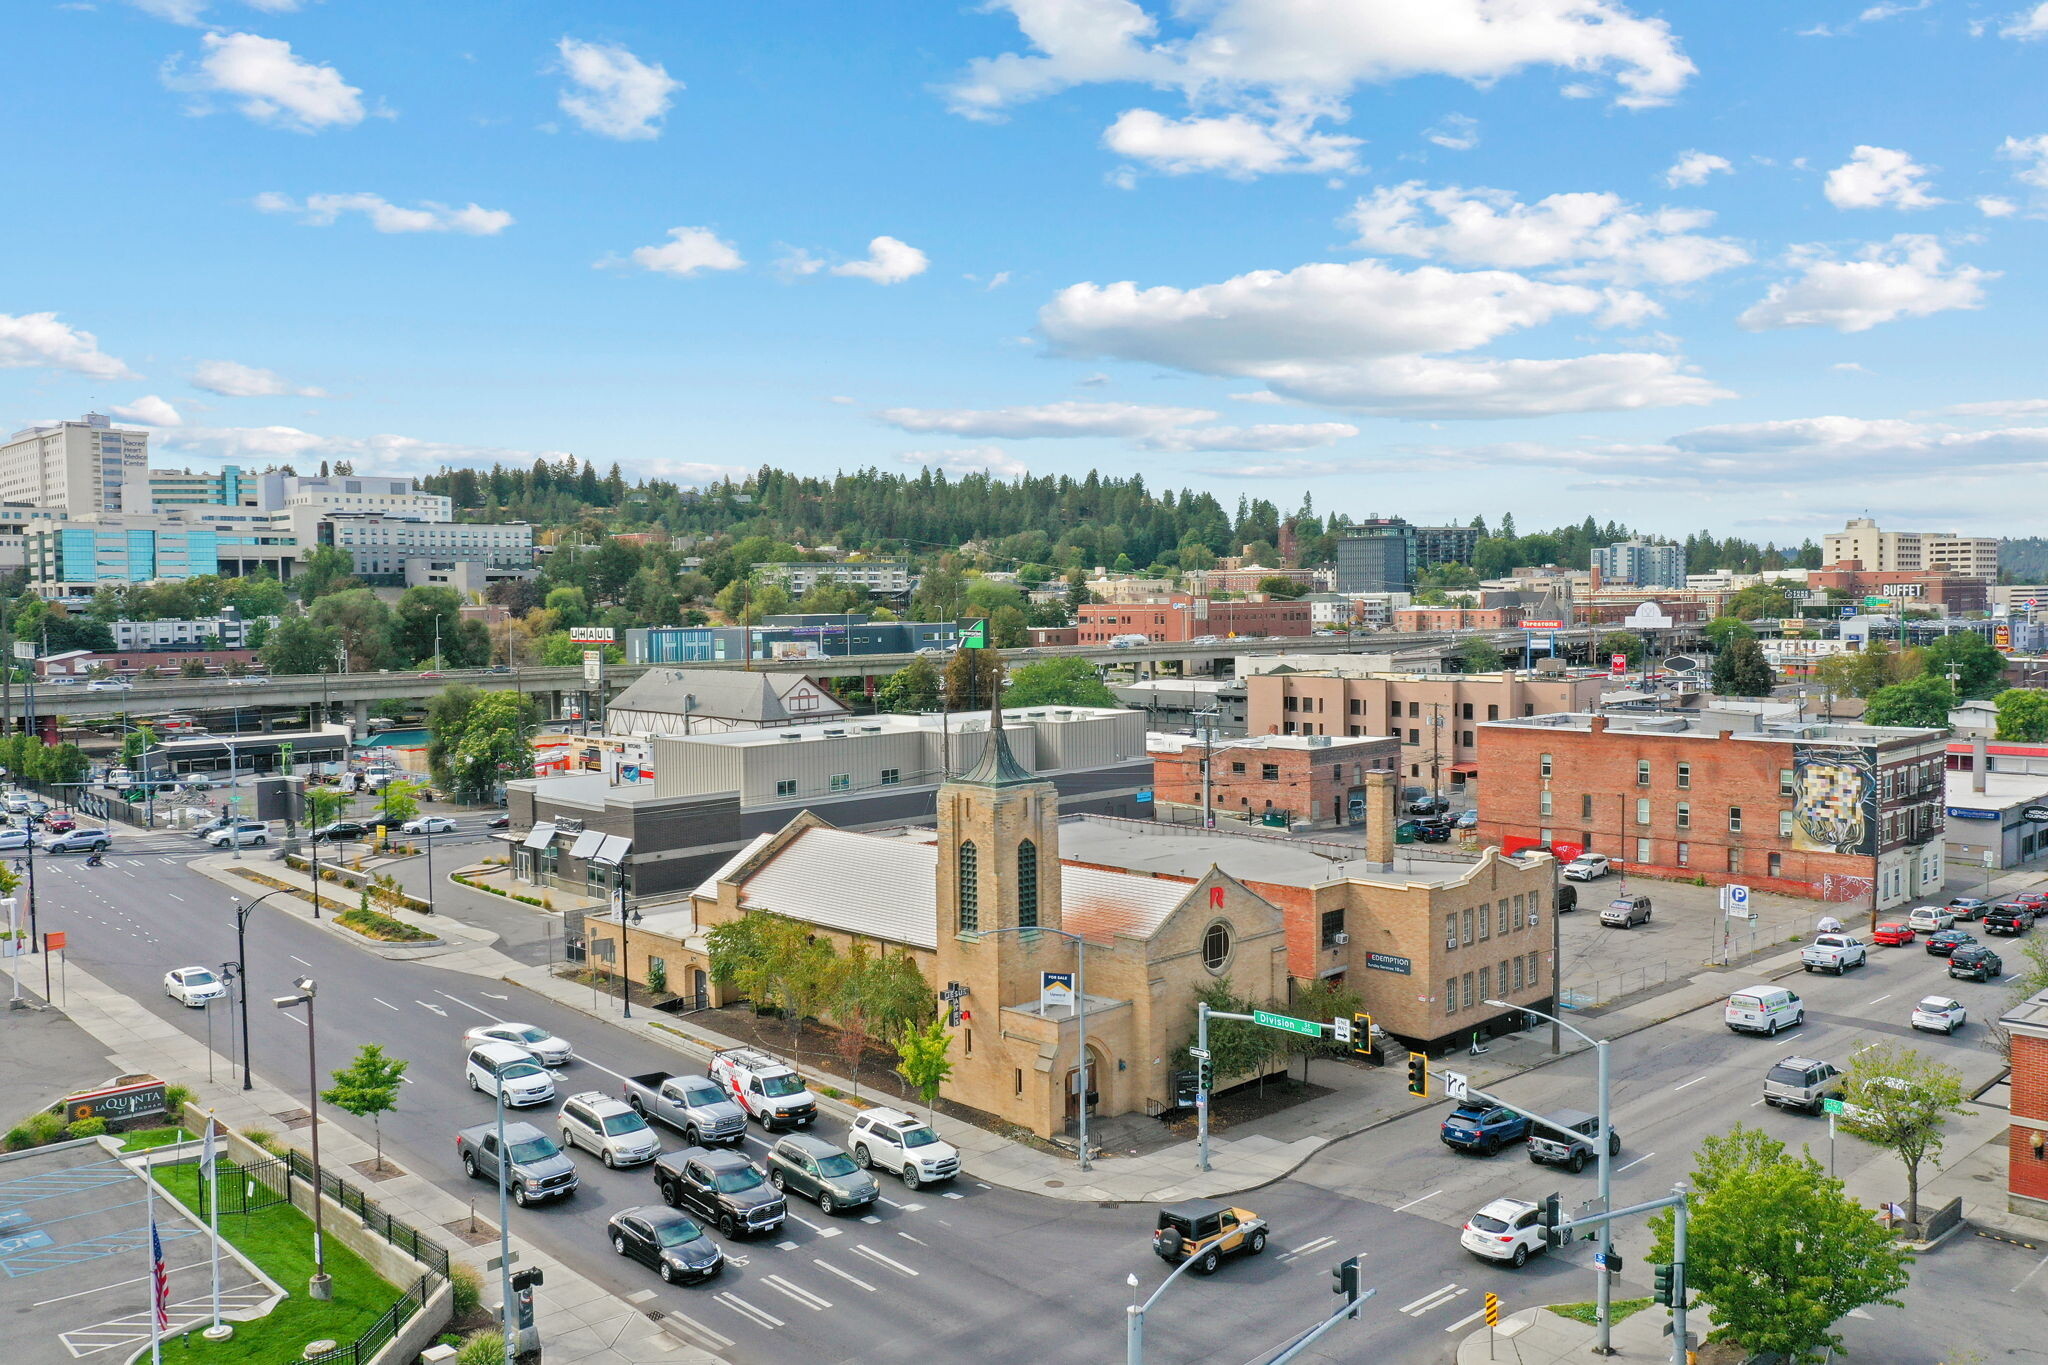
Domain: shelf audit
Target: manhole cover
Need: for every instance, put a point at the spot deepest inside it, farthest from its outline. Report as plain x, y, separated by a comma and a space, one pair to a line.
1055, 1184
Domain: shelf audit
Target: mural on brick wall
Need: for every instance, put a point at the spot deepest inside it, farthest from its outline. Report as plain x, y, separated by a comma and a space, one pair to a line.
1835, 799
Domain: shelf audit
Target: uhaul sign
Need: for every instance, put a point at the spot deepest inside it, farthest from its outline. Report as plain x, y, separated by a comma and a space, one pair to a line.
593, 635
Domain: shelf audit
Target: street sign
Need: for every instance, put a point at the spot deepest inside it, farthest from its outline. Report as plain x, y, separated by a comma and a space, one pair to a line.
1492, 1309
1144, 795
1340, 1030
974, 635
593, 667
1457, 1085
1200, 1054
1617, 664
1287, 1023
1990, 858
2038, 814
1735, 900
593, 635
1832, 1106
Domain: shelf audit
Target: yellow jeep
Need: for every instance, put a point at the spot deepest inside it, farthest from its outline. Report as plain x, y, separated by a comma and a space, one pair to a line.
1204, 1232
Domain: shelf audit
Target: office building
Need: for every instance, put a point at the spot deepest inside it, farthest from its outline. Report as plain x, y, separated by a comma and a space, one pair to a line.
168, 489
1805, 808
1281, 781
381, 545
226, 631
81, 467
82, 555
1640, 564
802, 636
302, 495
1379, 555
1892, 591
1879, 551
1181, 618
879, 577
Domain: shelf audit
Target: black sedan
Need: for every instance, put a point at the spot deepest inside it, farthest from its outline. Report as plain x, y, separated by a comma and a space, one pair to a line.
671, 1242
341, 830
1945, 941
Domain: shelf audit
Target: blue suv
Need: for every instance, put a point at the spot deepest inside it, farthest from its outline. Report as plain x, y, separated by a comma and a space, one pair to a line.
1483, 1128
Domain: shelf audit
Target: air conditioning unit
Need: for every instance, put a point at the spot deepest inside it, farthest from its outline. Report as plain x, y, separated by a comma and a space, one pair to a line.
1340, 939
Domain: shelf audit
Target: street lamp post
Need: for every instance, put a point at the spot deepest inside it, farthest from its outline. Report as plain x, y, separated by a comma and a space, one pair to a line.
242, 912
322, 1284
1603, 1153
1080, 1019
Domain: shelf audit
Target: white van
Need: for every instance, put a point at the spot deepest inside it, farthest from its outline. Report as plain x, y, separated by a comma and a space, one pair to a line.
525, 1081
1129, 641
1763, 1009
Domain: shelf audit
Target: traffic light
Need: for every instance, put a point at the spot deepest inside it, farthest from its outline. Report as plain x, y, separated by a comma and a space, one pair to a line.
1664, 1279
1418, 1074
1345, 1273
524, 1280
1553, 1214
1205, 1075
1613, 1262
1361, 1035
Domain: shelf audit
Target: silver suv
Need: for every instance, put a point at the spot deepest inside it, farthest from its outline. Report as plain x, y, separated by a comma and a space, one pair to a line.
1801, 1083
599, 1123
1549, 1147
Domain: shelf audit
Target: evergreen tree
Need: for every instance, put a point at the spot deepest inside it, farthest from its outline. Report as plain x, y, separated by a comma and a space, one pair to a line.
1742, 671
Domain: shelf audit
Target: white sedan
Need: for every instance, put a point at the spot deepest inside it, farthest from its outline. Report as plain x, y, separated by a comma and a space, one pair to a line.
1939, 1014
193, 986
428, 824
545, 1047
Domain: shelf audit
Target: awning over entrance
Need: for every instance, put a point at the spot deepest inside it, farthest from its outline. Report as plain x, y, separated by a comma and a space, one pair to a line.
587, 844
1468, 769
540, 836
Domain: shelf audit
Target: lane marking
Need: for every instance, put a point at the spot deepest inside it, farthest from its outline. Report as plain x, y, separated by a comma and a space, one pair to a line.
912, 1208
1413, 1202
435, 1008
300, 960
293, 1017
831, 1269
488, 996
1638, 1161
1432, 1302
869, 1218
785, 1246
179, 899
1306, 1248
797, 1217
466, 1005
829, 1232
908, 1238
385, 1003
1694, 1081
1880, 1000
802, 1296
742, 1307
890, 1202
950, 1194
874, 1255
1473, 1316
585, 1061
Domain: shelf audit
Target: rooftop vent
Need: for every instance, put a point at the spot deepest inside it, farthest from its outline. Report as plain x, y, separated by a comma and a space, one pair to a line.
835, 734
791, 734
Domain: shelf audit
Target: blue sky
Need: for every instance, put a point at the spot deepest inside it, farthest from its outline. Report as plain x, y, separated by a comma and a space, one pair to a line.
1754, 268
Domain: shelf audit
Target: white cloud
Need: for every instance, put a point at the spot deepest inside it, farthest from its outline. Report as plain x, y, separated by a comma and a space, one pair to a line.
1848, 367
1236, 145
1598, 236
691, 472
2027, 25
1046, 419
1459, 132
232, 380
1996, 206
1310, 50
185, 12
992, 460
688, 251
322, 210
1878, 13
889, 261
2007, 407
2032, 152
273, 84
1909, 276
998, 280
1366, 336
38, 340
1270, 438
1879, 177
1693, 168
1826, 448
795, 263
1283, 469
149, 411
383, 453
615, 94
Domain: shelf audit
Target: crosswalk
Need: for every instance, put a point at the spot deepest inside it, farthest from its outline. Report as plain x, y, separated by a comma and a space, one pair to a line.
1435, 1298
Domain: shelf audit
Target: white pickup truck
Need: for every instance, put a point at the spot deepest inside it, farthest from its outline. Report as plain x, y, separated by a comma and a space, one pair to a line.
1836, 953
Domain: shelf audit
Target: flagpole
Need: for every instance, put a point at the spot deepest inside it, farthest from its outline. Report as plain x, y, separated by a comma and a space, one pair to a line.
209, 1160
156, 1331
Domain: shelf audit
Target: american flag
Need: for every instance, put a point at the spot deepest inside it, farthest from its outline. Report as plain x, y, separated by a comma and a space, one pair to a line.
159, 1280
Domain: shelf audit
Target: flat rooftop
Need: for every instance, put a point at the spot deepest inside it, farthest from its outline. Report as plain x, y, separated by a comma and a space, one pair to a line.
1158, 743
1190, 851
853, 727
2001, 790
1744, 723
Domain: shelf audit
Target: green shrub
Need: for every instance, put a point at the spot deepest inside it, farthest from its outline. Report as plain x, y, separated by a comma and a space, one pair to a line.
468, 1287
85, 1128
176, 1097
265, 1139
657, 978
485, 1348
44, 1127
374, 924
18, 1137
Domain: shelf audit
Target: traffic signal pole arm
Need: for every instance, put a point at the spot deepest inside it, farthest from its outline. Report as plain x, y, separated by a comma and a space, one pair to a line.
1559, 1230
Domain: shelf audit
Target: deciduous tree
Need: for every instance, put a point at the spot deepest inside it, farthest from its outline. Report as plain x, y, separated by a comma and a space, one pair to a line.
2023, 714
910, 689
1923, 701
1064, 681
923, 1061
368, 1087
1897, 1099
1742, 671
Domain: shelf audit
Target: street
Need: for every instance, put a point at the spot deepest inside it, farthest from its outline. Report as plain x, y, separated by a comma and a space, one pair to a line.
973, 1272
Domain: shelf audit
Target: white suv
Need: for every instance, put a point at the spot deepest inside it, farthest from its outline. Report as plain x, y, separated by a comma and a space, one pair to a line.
241, 834
895, 1141
1505, 1230
600, 1123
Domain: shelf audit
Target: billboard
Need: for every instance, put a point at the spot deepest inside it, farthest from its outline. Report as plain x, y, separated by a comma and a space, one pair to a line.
1834, 799
593, 635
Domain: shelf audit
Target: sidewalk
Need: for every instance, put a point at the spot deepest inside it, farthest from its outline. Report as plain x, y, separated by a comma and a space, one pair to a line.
1537, 1336
581, 1323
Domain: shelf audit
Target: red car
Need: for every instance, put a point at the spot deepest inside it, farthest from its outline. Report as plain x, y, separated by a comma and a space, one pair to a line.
1895, 934
2037, 901
59, 824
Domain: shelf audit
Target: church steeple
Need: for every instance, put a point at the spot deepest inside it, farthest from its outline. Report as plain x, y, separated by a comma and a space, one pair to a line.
997, 766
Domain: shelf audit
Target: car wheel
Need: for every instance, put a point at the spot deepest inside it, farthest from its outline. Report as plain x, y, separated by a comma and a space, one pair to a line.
1534, 1160
728, 1225
909, 1176
618, 1244
668, 1193
825, 1204
1210, 1260
1799, 1018
1578, 1161
668, 1276
1772, 1031
1614, 1144
519, 1195
690, 1137
472, 1083
776, 1180
607, 1159
1950, 1030
861, 1157
1521, 1257
1809, 969
469, 1166
1255, 1244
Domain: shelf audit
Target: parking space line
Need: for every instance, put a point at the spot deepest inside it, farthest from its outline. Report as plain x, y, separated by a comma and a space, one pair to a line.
796, 1217
802, 1296
831, 1269
1409, 1205
874, 1255
745, 1309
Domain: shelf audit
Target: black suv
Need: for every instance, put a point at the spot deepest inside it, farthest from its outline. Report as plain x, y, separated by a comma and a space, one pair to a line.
2008, 917
1429, 805
723, 1187
1975, 962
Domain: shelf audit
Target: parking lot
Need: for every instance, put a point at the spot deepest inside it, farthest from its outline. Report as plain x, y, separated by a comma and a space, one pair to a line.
75, 1258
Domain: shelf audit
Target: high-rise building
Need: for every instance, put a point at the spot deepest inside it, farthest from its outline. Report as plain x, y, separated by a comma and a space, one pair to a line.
79, 466
307, 496
1378, 555
232, 486
1881, 551
1641, 563
1436, 545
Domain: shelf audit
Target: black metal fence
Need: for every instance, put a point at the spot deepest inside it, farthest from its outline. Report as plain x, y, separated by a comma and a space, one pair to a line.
401, 1235
241, 1189
379, 1333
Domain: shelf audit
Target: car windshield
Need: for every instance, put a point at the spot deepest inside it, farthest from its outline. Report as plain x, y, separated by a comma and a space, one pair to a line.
782, 1085
530, 1034
919, 1136
839, 1163
1486, 1222
615, 1124
1786, 1075
736, 1180
534, 1149
701, 1092
677, 1232
199, 978
520, 1070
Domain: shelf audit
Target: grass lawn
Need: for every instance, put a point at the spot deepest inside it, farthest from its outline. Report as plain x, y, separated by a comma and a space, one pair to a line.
1620, 1310
143, 1138
280, 1240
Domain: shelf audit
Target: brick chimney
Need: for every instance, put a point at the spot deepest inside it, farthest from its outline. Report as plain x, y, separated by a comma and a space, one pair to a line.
1379, 819
1599, 725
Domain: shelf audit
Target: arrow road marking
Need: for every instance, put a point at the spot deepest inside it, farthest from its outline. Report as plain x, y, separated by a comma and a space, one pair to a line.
831, 1269
435, 1008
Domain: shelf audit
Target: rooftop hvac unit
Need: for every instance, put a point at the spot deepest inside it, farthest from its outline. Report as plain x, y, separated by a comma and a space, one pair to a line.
790, 734
835, 734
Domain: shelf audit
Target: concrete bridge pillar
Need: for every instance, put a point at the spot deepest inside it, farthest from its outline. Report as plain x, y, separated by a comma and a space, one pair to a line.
362, 718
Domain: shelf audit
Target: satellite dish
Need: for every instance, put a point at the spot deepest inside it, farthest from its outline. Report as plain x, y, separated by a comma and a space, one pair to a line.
1681, 663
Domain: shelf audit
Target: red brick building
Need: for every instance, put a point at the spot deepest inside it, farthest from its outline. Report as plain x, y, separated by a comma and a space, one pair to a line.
1456, 618
1180, 618
1906, 587
1317, 779
1811, 809
2027, 1138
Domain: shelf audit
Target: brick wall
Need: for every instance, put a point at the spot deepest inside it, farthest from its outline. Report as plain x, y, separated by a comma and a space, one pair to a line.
1185, 618
1309, 784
